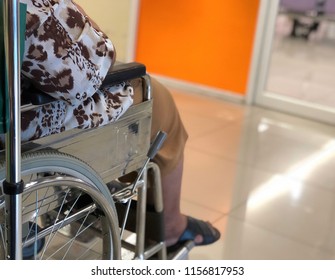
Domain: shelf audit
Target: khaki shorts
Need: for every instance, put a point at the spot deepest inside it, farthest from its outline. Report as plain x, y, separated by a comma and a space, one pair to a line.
166, 117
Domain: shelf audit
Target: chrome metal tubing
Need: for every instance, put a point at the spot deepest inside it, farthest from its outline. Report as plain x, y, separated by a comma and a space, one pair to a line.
60, 224
157, 187
13, 229
147, 87
140, 219
158, 203
13, 136
184, 251
12, 47
90, 190
155, 249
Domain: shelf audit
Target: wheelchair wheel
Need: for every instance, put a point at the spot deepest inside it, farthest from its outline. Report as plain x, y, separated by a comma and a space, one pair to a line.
67, 210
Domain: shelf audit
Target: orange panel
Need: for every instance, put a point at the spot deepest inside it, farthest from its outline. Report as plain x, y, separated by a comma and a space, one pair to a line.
201, 41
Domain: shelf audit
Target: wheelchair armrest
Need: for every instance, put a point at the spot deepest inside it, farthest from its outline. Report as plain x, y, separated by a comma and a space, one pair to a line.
35, 96
121, 72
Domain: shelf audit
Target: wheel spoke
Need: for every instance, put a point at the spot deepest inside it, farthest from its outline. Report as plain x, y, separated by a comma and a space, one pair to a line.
59, 216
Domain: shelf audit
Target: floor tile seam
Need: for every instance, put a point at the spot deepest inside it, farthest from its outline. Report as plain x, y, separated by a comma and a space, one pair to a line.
268, 171
319, 186
207, 133
229, 159
197, 149
294, 120
223, 216
210, 109
278, 234
203, 97
301, 128
217, 105
310, 184
204, 206
238, 205
221, 123
290, 138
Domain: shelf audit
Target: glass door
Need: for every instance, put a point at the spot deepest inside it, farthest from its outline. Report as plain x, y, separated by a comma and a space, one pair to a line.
296, 60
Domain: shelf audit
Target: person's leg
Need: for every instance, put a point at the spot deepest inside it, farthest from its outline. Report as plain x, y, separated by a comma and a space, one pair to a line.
170, 160
175, 222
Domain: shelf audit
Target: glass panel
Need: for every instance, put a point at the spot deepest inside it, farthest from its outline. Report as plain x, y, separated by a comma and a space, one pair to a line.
302, 64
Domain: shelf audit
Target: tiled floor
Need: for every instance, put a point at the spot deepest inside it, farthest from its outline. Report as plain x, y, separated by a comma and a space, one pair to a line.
265, 179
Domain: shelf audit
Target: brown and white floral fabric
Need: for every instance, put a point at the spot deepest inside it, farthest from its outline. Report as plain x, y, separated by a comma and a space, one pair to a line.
68, 59
105, 106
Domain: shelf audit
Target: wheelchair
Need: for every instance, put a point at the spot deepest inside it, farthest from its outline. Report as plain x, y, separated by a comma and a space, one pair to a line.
84, 191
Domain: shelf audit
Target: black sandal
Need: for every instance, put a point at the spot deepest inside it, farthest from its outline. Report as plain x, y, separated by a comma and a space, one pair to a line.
194, 228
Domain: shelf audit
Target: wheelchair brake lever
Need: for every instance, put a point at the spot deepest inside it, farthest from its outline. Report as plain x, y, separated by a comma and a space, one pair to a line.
156, 145
154, 148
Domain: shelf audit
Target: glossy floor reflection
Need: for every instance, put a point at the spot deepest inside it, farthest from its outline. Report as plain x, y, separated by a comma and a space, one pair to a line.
265, 179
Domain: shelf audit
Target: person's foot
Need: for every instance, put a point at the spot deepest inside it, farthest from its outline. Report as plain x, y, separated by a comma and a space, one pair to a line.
201, 232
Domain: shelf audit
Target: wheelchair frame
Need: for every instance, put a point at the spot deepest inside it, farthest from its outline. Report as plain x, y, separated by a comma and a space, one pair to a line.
65, 171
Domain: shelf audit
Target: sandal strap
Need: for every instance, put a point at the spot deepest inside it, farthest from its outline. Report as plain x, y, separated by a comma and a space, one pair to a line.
198, 227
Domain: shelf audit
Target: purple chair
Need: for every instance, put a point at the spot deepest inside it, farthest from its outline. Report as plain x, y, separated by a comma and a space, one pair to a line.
308, 6
299, 6
330, 7
316, 9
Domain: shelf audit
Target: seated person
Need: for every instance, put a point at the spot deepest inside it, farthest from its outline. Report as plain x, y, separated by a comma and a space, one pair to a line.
67, 56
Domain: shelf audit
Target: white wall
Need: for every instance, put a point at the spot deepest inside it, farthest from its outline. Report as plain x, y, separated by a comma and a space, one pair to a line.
116, 19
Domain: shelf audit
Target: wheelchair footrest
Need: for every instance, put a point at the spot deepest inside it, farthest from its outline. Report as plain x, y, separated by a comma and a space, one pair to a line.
181, 252
154, 225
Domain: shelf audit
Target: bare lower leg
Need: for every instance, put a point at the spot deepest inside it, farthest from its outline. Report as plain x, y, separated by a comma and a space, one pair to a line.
175, 221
